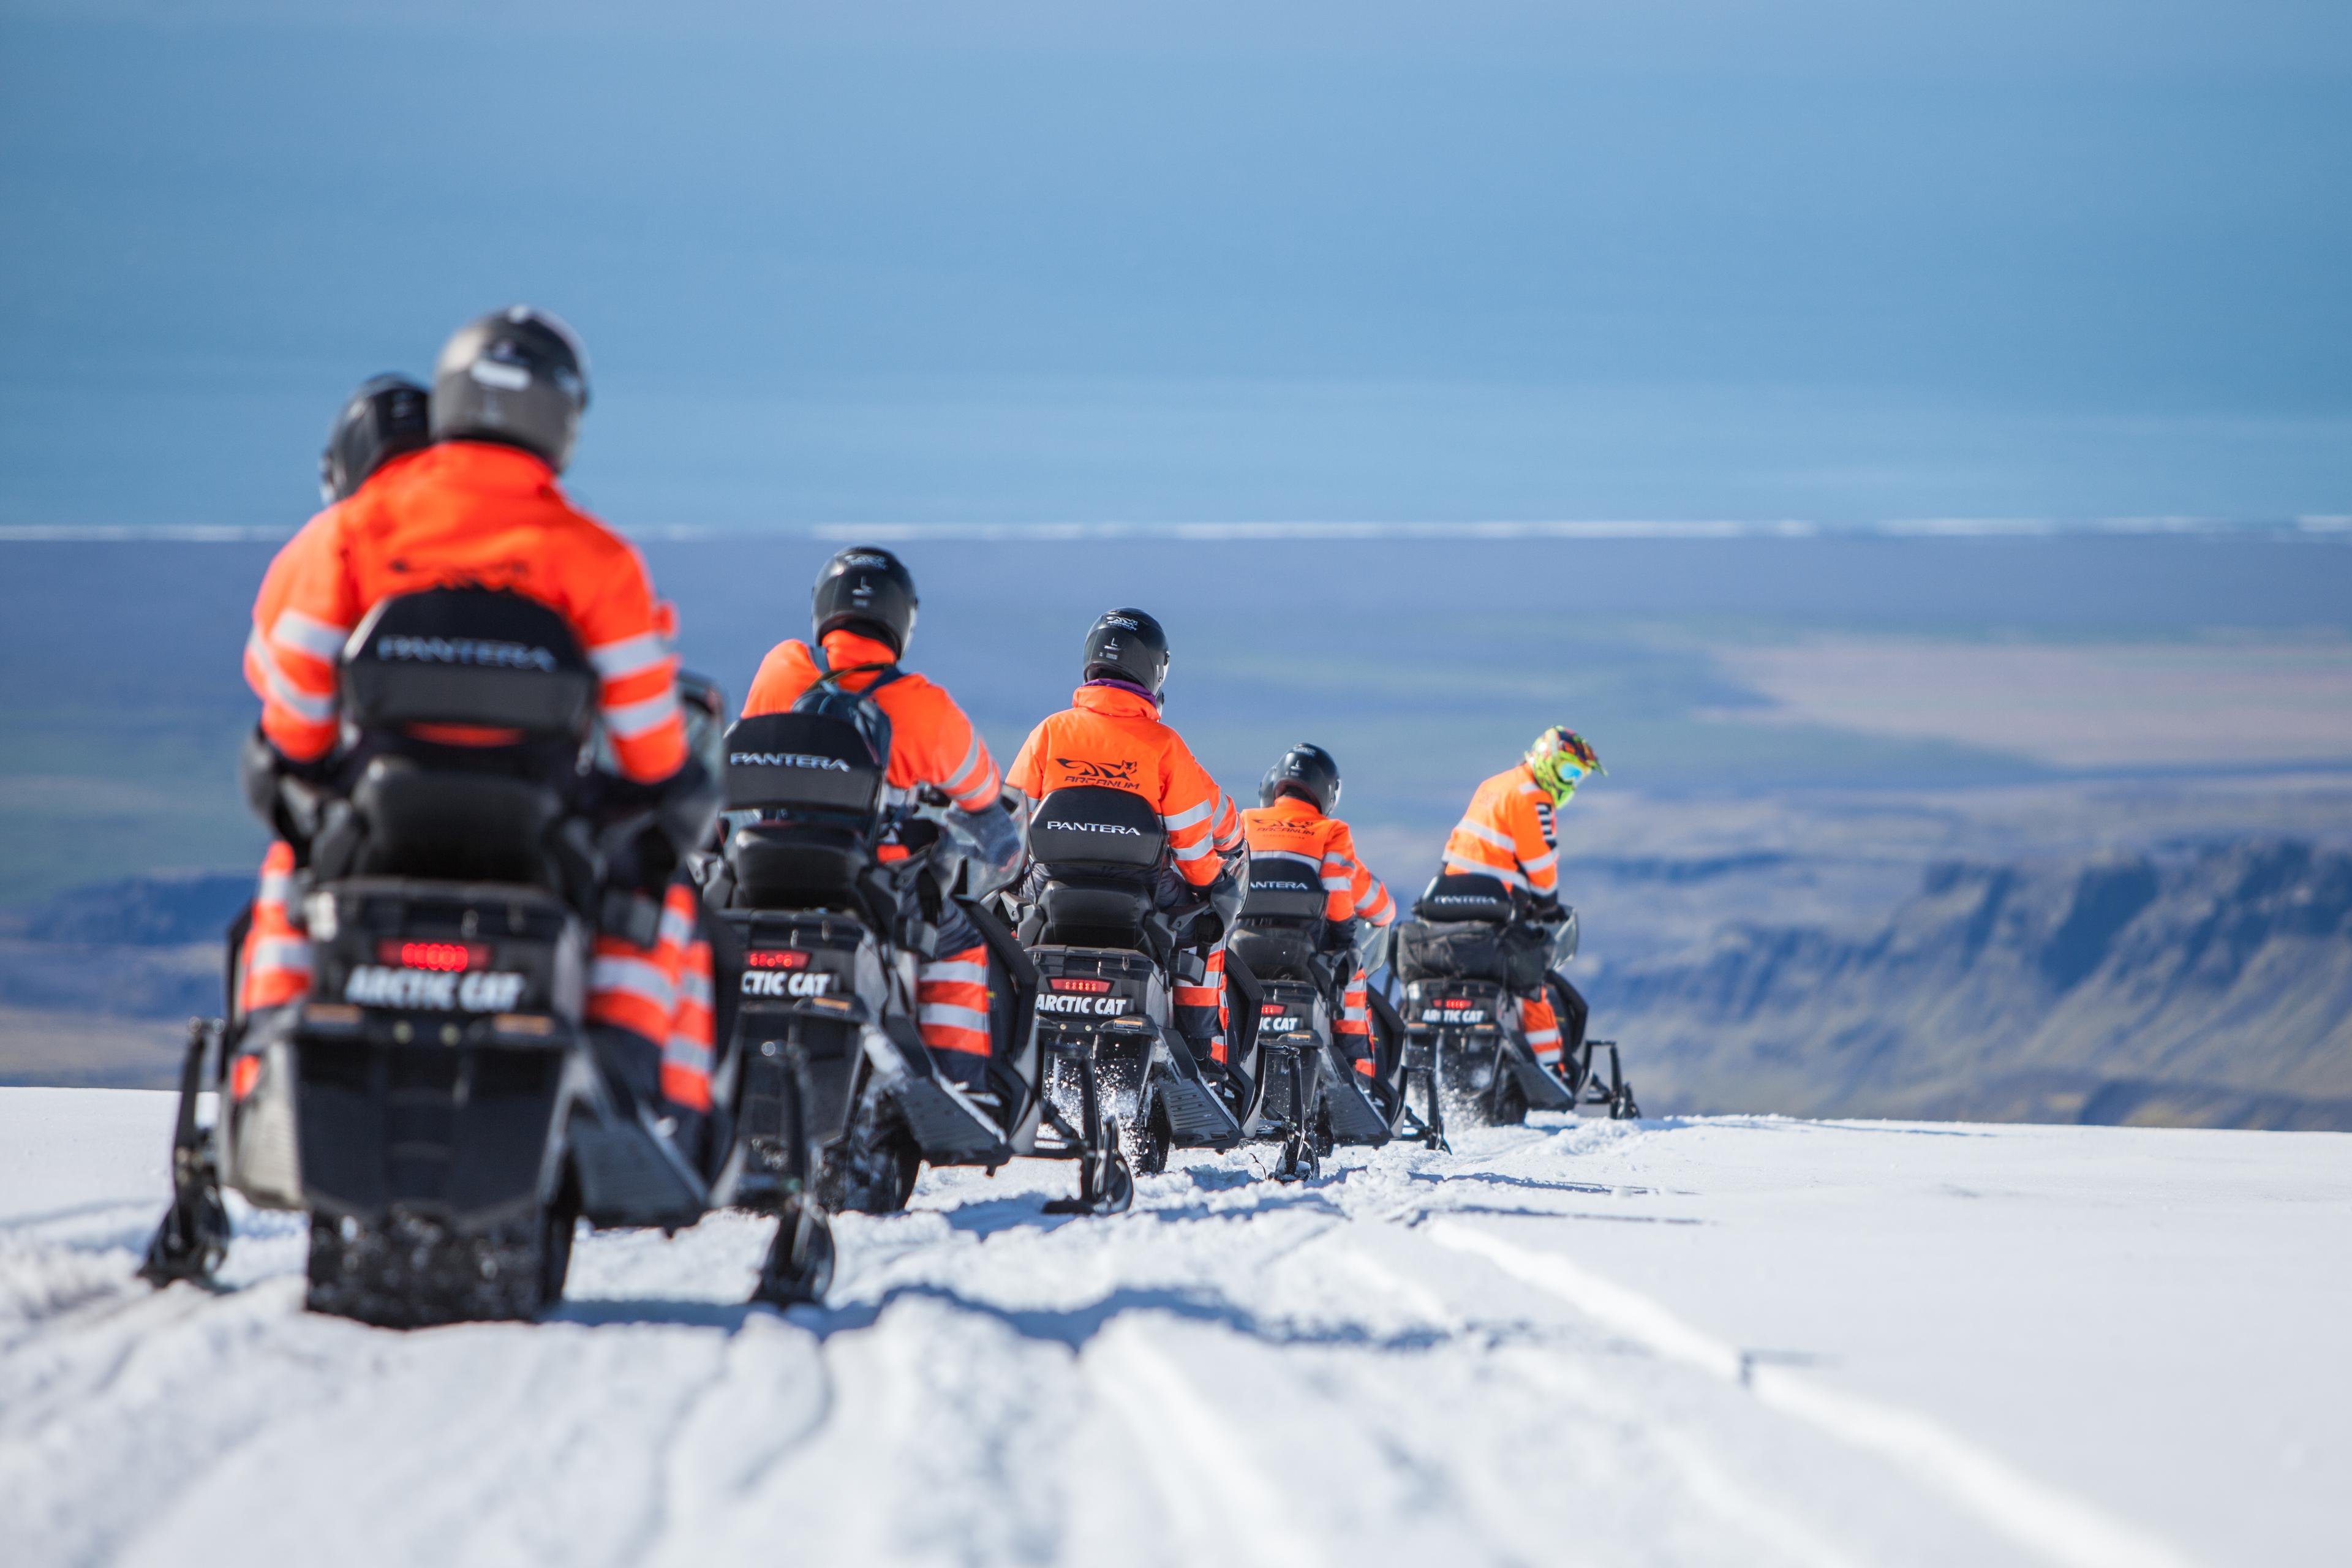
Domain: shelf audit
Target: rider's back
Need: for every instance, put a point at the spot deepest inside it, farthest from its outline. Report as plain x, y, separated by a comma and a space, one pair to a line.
464, 514
1112, 738
931, 740
1508, 832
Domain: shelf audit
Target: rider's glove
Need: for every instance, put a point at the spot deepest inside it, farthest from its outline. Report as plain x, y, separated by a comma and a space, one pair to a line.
288, 795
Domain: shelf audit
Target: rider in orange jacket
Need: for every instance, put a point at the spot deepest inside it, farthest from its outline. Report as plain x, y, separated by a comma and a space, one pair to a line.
1112, 736
479, 507
1510, 833
1293, 822
865, 606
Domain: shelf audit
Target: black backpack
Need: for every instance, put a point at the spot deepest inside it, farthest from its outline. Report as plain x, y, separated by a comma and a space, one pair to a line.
832, 700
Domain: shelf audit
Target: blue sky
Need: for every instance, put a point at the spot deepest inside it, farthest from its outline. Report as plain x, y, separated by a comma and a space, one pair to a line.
1047, 261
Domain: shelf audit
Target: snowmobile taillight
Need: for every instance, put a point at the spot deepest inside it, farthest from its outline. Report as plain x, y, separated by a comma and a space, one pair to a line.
447, 957
243, 1074
1271, 1010
1454, 1004
1091, 987
778, 958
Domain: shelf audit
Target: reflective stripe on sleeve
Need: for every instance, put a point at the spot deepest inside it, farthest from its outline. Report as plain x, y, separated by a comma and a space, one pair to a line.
1541, 863
694, 986
1191, 815
950, 970
619, 659
316, 710
633, 718
677, 927
1487, 835
960, 781
308, 633
953, 1016
1192, 851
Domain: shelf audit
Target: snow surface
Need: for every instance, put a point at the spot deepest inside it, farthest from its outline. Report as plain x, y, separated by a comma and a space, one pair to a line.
1732, 1341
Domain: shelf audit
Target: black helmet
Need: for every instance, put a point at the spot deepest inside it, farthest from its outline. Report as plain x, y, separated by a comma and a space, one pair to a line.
517, 376
384, 418
866, 589
1304, 771
1128, 645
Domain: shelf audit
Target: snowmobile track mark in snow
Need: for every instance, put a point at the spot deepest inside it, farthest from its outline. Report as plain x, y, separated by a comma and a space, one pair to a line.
2048, 1523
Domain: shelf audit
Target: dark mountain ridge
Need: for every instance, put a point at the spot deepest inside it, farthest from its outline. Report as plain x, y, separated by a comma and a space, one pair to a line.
2211, 987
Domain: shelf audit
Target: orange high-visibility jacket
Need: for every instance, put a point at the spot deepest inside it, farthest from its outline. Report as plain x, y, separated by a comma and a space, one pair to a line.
462, 514
931, 742
1508, 833
1112, 738
1293, 829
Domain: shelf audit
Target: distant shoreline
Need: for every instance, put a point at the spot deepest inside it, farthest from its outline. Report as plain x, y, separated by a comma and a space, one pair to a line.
2330, 529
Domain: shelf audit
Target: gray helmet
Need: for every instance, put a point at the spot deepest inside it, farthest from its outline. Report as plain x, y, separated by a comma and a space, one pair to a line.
517, 376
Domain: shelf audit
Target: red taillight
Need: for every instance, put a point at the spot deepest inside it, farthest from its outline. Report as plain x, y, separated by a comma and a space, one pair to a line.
1092, 987
448, 957
1456, 1002
778, 958
1271, 1010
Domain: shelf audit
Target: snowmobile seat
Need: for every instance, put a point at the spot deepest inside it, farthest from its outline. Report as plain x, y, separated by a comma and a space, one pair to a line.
451, 825
473, 706
1454, 896
798, 865
816, 783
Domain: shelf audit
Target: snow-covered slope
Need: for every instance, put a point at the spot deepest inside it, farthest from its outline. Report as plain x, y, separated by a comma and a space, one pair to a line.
1738, 1341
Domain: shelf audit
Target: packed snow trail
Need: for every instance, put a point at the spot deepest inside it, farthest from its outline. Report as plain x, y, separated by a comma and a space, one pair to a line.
1734, 1341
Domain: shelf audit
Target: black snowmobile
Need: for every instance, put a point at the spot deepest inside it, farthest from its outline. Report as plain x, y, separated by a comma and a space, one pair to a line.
1121, 1085
435, 1104
1470, 951
1314, 1097
837, 1093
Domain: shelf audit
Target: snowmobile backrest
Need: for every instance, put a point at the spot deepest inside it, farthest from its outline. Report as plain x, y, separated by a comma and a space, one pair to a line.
1284, 889
474, 658
803, 762
1466, 896
1089, 826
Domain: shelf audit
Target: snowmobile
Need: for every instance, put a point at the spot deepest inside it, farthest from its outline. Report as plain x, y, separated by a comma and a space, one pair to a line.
1122, 1085
837, 1095
1464, 959
435, 1104
1315, 1097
